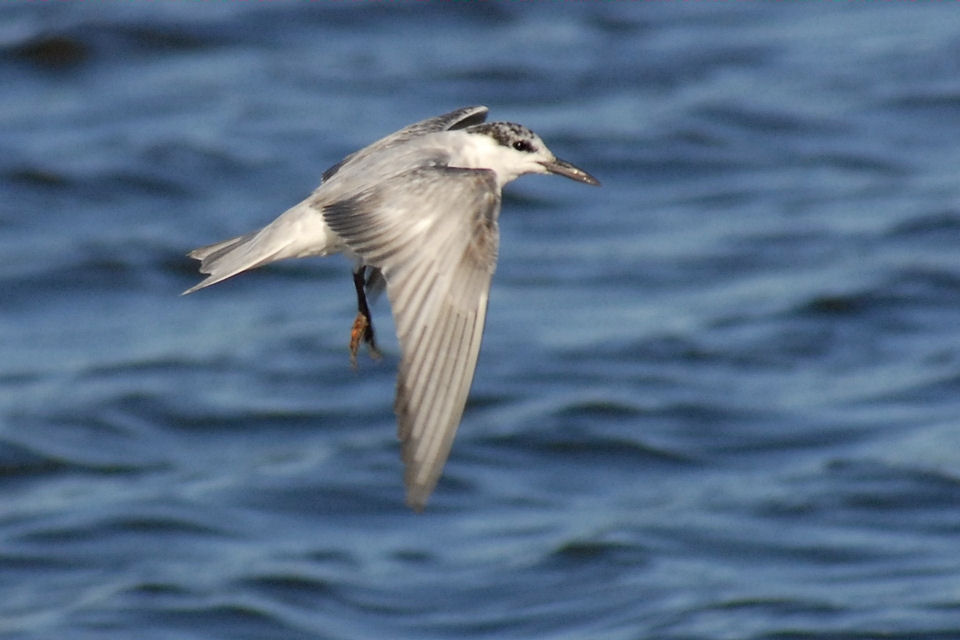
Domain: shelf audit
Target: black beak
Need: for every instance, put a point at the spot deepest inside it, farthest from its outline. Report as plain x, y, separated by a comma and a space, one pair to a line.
567, 170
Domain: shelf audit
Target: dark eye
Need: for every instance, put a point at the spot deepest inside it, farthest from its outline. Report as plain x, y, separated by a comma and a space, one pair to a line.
523, 145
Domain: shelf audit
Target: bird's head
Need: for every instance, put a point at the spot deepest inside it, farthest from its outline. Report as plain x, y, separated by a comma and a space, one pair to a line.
512, 150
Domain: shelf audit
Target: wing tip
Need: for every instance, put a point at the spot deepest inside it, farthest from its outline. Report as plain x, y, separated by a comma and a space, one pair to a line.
419, 489
417, 499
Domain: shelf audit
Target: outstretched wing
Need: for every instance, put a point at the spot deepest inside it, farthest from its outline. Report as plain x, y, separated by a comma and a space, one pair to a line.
459, 119
433, 233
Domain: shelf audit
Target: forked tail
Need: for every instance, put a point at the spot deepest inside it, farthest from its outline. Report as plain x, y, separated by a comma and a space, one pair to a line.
225, 259
298, 233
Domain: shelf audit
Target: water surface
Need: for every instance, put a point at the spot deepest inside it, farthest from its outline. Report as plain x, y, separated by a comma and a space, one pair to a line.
717, 398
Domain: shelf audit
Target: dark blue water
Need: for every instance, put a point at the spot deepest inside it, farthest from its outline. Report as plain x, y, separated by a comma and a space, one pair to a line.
718, 398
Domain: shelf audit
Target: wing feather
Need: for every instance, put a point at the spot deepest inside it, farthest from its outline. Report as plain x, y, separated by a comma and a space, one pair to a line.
458, 119
432, 231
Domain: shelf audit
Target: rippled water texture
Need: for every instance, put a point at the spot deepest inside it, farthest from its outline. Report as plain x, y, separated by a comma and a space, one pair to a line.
717, 398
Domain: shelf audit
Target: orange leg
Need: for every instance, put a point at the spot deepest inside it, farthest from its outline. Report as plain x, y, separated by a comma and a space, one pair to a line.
362, 329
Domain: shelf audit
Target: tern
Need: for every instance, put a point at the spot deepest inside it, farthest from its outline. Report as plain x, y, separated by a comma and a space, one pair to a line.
417, 212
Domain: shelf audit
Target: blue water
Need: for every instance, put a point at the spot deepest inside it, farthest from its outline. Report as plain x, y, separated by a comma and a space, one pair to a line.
718, 398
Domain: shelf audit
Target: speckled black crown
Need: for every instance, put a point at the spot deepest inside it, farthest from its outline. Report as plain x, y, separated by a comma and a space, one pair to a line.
505, 133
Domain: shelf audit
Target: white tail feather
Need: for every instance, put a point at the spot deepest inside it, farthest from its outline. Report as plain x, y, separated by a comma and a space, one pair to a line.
299, 232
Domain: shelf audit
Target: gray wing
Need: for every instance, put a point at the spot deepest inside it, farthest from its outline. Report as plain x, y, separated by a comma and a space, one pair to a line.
459, 119
433, 233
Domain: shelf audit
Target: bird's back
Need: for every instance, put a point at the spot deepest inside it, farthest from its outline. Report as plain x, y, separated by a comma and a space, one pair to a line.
422, 144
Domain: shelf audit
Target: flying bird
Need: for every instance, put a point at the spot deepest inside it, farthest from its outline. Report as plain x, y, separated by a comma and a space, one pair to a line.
417, 212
